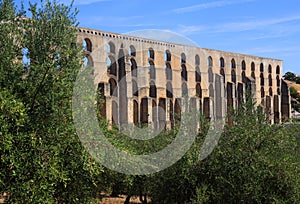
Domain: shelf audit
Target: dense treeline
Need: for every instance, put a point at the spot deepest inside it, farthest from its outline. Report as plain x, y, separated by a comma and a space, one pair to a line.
43, 161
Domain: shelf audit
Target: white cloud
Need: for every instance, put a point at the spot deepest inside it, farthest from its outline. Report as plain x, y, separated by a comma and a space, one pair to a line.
208, 5
81, 2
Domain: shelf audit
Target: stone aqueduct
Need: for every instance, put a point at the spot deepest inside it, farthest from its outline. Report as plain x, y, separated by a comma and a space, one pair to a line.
136, 75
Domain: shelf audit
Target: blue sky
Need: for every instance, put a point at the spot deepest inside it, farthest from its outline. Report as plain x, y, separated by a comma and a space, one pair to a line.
267, 28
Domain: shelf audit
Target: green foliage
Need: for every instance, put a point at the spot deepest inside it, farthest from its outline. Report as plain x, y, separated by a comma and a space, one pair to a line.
253, 163
42, 159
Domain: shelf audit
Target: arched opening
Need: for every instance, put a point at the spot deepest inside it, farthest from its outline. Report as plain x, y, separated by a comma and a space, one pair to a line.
153, 91
243, 65
101, 102
261, 67
198, 90
144, 111
253, 70
152, 70
197, 60
87, 45
277, 70
132, 51
262, 79
222, 62
182, 58
168, 56
177, 112
184, 73
210, 61
151, 53
113, 87
244, 78
277, 81
111, 48
270, 69
270, 80
270, 92
184, 89
135, 90
111, 65
169, 90
135, 112
197, 74
133, 67
162, 113
232, 64
168, 70
262, 92
233, 76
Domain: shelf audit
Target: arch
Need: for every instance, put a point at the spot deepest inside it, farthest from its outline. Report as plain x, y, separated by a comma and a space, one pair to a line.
233, 76
135, 90
243, 65
135, 112
244, 78
277, 69
253, 70
111, 65
262, 79
111, 48
270, 69
261, 67
277, 81
210, 61
233, 64
168, 71
168, 56
151, 53
152, 71
270, 80
197, 74
262, 92
184, 73
270, 92
222, 62
144, 111
169, 90
222, 72
88, 61
197, 60
177, 111
182, 58
113, 87
133, 67
153, 90
198, 90
87, 45
184, 89
132, 51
